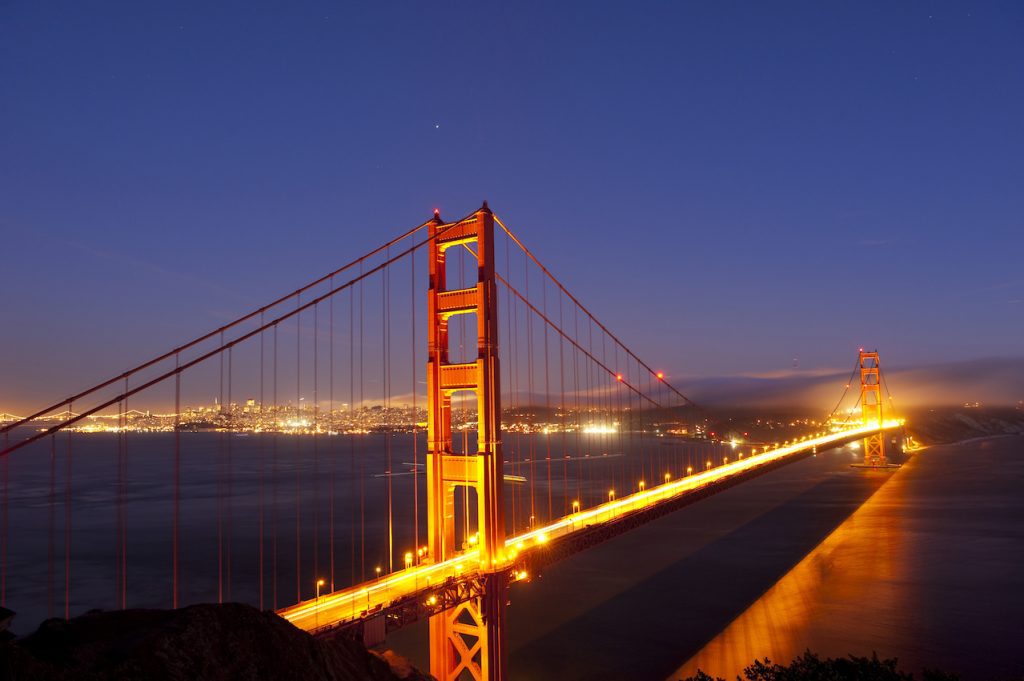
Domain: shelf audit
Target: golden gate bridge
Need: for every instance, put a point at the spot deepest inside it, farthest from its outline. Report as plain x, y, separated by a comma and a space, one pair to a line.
538, 433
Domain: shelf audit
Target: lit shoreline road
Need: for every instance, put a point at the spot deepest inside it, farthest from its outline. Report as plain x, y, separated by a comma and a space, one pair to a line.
370, 598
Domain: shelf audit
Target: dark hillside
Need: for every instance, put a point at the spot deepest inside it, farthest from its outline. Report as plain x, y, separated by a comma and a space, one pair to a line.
196, 643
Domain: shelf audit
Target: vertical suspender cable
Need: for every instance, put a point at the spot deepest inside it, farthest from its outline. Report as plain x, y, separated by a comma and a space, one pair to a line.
4, 524
332, 435
386, 354
261, 479
529, 390
579, 407
352, 436
51, 556
316, 442
561, 399
117, 510
67, 528
220, 479
124, 507
176, 490
362, 462
297, 461
547, 395
229, 464
608, 417
273, 485
415, 415
513, 332
465, 355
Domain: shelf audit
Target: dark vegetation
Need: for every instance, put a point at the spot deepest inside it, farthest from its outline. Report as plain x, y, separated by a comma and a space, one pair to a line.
197, 643
810, 667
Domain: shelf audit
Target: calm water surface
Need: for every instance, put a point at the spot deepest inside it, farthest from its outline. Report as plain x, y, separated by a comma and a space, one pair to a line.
264, 516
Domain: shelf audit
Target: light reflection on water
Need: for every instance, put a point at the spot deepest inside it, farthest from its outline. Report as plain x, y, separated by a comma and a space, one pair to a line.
863, 549
928, 571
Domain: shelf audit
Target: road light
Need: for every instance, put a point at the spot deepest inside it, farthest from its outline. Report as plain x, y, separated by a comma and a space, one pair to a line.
611, 495
378, 572
709, 465
642, 485
408, 560
575, 506
316, 608
689, 470
668, 476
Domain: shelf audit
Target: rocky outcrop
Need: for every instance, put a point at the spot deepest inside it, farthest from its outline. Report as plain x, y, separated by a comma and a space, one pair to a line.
196, 643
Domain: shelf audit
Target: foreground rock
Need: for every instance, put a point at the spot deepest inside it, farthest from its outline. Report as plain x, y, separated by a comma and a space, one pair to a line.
197, 643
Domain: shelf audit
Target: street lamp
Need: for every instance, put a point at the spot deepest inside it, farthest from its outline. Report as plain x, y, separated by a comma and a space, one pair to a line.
668, 476
611, 495
689, 470
408, 560
316, 608
642, 485
575, 506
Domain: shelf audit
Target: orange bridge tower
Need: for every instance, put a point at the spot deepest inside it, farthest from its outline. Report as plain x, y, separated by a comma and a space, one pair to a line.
469, 637
871, 408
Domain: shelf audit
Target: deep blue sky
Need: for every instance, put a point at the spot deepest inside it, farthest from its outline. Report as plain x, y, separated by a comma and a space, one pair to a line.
728, 185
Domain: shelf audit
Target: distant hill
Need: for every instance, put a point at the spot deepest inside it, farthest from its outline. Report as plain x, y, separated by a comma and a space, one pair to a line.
990, 381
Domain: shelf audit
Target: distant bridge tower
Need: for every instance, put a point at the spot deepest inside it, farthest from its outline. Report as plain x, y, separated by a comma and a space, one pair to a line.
871, 407
469, 637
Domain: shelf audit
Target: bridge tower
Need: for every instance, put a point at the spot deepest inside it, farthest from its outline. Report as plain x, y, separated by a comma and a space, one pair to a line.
871, 407
469, 638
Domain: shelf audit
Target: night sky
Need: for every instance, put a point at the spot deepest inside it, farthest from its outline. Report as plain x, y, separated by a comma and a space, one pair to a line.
729, 186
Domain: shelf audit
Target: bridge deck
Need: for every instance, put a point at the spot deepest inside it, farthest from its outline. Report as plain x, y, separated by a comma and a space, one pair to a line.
431, 587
